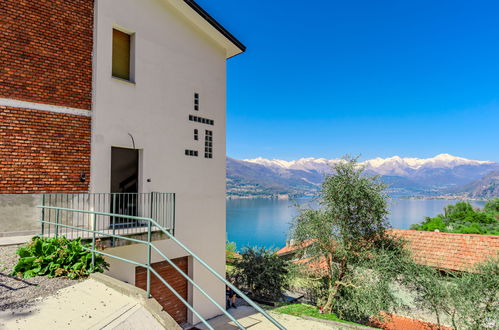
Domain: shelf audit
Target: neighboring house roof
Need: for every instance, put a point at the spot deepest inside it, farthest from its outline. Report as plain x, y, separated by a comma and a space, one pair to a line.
291, 248
446, 251
456, 252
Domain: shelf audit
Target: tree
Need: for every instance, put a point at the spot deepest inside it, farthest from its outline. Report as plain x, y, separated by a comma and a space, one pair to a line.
262, 272
470, 299
492, 206
476, 296
432, 289
347, 235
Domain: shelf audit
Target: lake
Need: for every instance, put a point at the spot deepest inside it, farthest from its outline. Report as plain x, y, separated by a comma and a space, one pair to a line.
265, 222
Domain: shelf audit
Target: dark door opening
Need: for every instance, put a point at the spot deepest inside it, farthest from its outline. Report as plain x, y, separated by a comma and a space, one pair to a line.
124, 185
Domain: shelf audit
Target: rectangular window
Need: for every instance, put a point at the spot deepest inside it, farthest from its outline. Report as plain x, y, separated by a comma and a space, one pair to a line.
121, 54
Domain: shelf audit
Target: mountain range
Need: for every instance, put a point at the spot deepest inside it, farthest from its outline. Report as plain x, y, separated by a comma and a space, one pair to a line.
442, 174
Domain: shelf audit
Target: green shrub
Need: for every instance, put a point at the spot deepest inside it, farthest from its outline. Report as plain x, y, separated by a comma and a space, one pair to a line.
54, 257
262, 272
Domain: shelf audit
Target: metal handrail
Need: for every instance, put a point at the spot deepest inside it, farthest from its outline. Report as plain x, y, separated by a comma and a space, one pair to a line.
148, 266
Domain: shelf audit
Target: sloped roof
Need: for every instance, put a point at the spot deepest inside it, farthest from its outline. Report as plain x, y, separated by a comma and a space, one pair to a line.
290, 248
456, 252
446, 251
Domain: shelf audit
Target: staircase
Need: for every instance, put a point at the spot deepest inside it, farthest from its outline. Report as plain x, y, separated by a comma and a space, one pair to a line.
96, 226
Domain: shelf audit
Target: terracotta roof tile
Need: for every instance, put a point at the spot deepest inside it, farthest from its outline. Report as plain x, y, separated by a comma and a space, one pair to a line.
456, 252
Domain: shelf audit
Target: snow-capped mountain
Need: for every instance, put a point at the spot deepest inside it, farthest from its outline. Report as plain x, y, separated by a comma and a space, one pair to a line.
409, 174
385, 166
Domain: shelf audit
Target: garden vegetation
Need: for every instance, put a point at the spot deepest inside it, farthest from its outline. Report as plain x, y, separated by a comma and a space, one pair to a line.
261, 272
463, 218
55, 257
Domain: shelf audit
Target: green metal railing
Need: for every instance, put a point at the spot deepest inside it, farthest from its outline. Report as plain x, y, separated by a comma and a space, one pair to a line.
153, 205
151, 223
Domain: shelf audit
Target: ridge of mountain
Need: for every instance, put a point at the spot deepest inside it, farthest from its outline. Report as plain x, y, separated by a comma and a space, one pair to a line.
484, 188
406, 176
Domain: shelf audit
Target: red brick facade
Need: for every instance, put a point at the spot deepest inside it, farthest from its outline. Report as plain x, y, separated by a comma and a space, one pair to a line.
46, 51
171, 304
43, 151
46, 57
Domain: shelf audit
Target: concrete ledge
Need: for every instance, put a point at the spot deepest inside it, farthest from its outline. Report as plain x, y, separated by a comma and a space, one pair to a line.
151, 305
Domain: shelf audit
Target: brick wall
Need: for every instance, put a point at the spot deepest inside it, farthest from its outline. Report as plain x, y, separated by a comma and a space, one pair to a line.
171, 304
43, 151
46, 51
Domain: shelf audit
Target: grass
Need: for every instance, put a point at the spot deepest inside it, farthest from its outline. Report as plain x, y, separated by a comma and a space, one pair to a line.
308, 310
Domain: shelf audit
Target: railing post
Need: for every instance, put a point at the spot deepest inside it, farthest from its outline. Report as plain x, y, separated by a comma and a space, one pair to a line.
43, 216
173, 220
151, 198
57, 214
149, 259
93, 241
114, 219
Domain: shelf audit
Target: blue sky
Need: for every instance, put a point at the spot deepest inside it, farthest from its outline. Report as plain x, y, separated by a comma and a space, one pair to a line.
412, 78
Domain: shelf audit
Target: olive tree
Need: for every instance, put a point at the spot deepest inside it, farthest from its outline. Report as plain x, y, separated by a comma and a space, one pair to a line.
347, 233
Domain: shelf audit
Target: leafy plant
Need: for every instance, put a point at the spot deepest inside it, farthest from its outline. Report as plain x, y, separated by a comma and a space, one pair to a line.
54, 257
262, 272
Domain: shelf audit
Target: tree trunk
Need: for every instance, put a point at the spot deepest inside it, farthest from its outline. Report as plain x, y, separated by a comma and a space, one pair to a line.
333, 290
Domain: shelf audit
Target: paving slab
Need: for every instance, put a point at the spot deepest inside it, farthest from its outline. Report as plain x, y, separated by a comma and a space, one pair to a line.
85, 305
253, 320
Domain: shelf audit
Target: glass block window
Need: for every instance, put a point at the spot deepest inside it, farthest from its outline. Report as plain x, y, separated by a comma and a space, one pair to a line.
196, 101
202, 120
193, 153
208, 144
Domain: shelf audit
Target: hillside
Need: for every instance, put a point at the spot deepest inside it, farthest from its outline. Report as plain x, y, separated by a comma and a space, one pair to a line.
443, 173
483, 188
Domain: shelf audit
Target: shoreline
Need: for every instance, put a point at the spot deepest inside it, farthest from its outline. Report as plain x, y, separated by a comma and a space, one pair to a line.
287, 197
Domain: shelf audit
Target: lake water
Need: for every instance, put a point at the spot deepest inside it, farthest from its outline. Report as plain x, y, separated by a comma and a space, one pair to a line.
265, 222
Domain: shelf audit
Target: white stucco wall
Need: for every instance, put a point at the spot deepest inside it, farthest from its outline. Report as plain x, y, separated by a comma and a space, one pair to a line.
173, 59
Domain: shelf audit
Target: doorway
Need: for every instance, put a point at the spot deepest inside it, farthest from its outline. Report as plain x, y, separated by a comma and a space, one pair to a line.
124, 185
